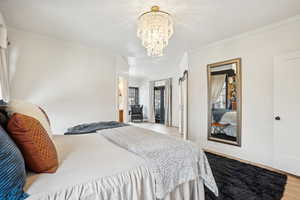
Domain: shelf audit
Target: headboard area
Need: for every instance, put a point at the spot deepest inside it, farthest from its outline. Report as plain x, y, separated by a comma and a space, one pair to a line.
3, 114
3, 118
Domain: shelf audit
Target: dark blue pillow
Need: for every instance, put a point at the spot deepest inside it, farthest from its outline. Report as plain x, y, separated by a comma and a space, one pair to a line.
12, 169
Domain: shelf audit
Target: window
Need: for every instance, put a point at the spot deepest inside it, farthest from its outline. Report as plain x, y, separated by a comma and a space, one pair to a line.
133, 95
221, 102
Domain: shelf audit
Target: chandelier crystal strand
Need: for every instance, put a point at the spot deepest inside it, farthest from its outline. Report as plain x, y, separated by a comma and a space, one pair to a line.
155, 28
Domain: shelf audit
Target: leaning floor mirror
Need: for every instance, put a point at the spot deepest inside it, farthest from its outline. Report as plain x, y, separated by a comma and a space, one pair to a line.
224, 102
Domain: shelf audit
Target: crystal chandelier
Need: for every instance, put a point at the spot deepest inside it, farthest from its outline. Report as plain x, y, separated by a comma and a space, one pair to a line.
155, 28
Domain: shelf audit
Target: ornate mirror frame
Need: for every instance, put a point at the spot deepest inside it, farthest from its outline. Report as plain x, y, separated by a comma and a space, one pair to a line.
238, 62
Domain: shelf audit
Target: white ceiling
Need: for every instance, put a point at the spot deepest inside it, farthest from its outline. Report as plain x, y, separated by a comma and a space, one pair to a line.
112, 23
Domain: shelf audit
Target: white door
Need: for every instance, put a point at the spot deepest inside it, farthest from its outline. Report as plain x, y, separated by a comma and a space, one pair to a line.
287, 113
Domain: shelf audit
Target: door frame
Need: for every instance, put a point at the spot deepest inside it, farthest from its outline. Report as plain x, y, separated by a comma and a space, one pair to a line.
183, 115
277, 60
162, 102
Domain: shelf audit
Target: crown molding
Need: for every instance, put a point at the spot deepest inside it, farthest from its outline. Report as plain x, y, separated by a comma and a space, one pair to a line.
247, 34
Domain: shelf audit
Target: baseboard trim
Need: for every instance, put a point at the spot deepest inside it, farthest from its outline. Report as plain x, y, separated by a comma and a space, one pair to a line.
252, 163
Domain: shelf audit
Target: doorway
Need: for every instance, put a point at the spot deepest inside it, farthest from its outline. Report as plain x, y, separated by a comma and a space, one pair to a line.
122, 99
159, 104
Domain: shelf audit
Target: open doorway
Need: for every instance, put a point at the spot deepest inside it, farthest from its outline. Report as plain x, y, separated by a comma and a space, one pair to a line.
122, 99
159, 104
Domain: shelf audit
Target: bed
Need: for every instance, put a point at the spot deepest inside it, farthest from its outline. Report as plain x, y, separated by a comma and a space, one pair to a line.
231, 119
93, 167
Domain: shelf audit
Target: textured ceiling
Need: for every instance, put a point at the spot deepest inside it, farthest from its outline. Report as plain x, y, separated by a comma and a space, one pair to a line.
112, 23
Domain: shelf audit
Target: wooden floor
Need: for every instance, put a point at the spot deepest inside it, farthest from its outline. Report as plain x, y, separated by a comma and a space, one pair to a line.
173, 131
292, 189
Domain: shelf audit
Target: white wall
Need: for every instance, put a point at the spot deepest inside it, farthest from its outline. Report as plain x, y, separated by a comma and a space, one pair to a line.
257, 50
73, 83
135, 82
184, 63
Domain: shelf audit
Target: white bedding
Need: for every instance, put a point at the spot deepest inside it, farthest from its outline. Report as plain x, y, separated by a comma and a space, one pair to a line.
171, 161
92, 168
229, 117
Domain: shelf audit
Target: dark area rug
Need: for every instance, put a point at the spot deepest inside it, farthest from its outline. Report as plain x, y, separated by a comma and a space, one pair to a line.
241, 181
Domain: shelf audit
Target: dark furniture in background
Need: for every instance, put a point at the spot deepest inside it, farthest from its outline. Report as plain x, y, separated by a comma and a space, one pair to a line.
159, 104
136, 113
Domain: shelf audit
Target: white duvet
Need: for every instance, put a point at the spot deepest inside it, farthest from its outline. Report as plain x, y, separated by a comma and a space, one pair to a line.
92, 168
229, 117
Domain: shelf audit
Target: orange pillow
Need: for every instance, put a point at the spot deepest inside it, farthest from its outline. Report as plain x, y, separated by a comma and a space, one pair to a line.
35, 144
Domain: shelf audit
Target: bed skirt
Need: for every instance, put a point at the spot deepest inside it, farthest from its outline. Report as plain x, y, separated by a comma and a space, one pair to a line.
92, 168
193, 190
133, 185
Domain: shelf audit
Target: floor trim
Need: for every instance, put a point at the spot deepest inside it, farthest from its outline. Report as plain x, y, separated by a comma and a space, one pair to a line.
252, 163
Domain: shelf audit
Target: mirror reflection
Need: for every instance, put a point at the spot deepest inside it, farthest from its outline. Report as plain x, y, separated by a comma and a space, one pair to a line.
224, 102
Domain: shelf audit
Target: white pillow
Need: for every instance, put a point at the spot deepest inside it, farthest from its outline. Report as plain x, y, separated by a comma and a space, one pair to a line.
31, 110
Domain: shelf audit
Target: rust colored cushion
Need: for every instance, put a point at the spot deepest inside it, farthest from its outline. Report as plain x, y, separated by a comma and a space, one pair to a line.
29, 109
35, 144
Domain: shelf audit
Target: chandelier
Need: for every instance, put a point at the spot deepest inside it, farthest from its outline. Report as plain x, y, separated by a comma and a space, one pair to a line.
155, 28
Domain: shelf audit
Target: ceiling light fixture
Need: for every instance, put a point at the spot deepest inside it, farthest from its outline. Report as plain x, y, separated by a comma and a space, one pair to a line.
155, 28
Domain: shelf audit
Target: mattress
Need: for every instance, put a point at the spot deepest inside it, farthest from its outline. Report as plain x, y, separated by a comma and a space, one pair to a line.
92, 168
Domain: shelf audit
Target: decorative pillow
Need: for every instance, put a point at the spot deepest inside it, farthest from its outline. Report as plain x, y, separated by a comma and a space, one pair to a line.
29, 109
35, 144
12, 169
